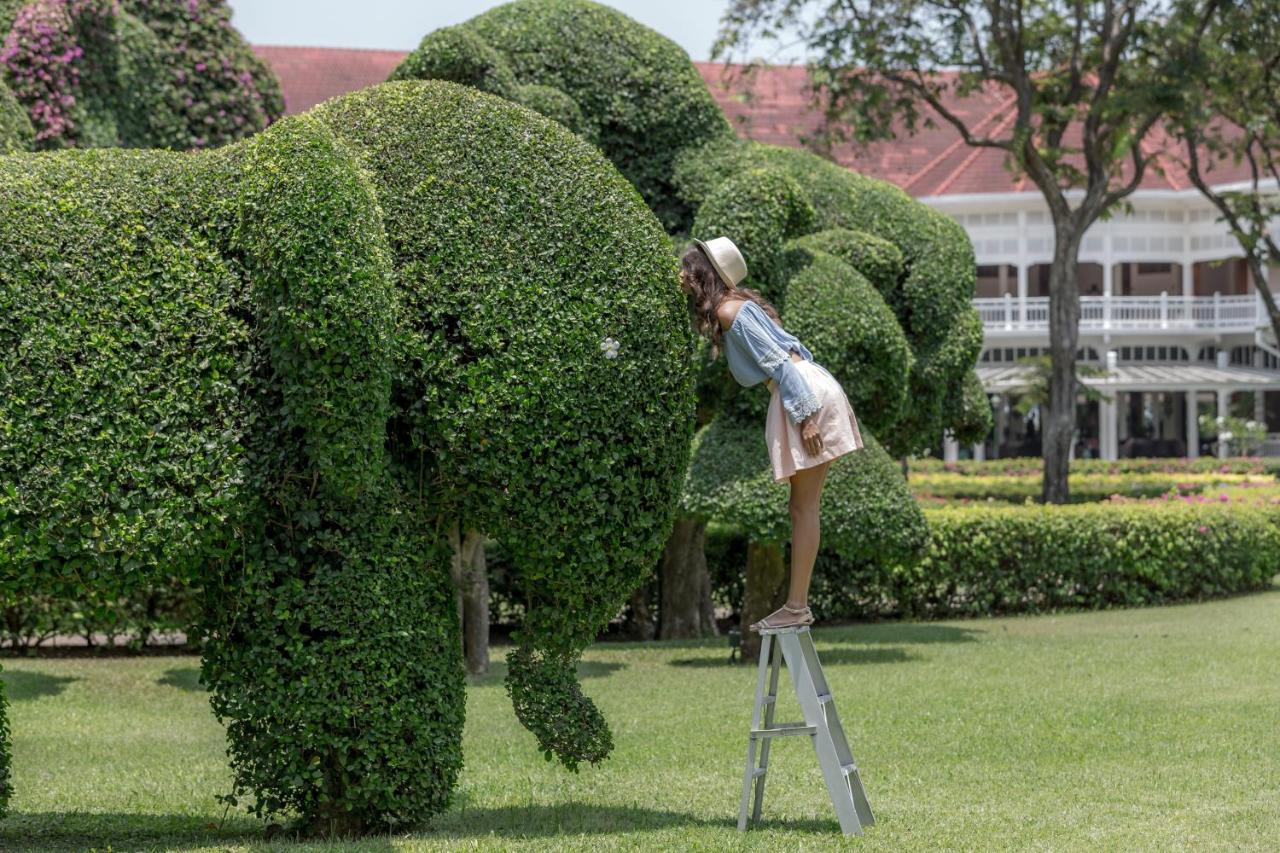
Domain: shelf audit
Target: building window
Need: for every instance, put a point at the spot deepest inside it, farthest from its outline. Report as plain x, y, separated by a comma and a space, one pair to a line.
1151, 269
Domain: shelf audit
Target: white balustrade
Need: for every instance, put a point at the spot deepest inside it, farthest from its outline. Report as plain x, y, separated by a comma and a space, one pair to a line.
1166, 311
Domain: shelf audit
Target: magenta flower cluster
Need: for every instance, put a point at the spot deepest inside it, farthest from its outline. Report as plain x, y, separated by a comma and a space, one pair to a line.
46, 64
60, 58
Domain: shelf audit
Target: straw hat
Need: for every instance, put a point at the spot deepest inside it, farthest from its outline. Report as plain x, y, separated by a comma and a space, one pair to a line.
726, 258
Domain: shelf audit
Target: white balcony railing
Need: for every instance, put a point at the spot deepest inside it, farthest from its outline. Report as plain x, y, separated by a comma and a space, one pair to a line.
1139, 313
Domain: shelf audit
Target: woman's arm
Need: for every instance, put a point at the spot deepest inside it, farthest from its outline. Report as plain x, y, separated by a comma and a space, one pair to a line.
798, 398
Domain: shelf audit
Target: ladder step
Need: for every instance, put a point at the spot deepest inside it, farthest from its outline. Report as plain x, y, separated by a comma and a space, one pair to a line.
758, 772
768, 700
784, 729
824, 698
851, 767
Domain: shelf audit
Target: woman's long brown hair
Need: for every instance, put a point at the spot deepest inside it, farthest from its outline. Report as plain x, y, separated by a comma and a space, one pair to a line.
709, 290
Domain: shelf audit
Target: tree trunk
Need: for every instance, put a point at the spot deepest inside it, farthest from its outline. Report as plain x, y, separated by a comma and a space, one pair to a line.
686, 584
1064, 332
766, 591
639, 625
471, 582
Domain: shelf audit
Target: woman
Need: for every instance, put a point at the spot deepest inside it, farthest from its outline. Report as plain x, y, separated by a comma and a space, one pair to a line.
810, 421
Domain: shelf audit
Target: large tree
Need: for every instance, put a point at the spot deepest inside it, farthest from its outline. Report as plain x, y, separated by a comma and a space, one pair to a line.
1083, 87
1233, 118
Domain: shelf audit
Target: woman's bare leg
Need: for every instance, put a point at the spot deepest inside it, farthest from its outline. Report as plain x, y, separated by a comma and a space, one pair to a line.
806, 498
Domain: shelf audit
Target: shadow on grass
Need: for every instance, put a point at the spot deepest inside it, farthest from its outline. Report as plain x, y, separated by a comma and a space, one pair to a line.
827, 656
81, 830
182, 677
22, 685
897, 633
577, 819
586, 669
32, 831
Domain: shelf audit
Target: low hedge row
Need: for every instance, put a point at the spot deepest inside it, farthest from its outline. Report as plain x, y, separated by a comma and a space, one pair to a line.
1085, 488
990, 560
1032, 465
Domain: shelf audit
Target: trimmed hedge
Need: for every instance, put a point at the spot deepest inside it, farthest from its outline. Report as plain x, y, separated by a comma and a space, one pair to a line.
992, 560
1028, 559
641, 99
16, 132
6, 758
762, 209
836, 312
284, 368
1085, 488
1024, 466
459, 55
511, 409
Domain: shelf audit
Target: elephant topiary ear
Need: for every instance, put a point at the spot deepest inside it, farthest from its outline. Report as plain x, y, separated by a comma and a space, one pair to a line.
460, 56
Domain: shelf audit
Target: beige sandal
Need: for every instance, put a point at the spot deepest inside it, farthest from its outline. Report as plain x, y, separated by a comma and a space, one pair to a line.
806, 618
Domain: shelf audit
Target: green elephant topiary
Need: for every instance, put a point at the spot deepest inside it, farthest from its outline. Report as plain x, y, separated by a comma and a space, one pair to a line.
286, 367
878, 284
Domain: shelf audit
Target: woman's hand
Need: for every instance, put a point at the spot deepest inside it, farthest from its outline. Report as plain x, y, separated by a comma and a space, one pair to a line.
809, 432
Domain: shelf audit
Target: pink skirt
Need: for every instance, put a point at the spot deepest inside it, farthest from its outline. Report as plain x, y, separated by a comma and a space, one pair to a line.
836, 423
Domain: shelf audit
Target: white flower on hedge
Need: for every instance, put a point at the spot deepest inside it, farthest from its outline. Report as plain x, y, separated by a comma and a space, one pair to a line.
609, 347
1251, 424
1224, 436
1221, 420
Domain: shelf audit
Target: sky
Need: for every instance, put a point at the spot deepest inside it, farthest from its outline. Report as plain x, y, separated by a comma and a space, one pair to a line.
400, 24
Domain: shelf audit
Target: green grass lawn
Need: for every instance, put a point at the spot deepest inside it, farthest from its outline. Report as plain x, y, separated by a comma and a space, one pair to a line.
1150, 729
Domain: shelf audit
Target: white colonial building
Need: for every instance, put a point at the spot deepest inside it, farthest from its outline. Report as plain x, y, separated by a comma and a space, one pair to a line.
1166, 307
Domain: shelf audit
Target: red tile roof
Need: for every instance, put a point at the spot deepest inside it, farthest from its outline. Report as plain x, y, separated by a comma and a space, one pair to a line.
773, 107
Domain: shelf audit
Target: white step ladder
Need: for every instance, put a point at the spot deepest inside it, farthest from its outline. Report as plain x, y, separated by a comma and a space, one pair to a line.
821, 722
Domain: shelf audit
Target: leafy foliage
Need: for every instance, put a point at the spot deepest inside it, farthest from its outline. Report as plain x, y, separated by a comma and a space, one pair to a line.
137, 73
16, 132
457, 54
506, 395
852, 332
985, 560
1037, 558
866, 509
641, 99
931, 299
282, 367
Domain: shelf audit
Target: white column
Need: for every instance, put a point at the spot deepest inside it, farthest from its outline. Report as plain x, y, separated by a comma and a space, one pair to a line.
1193, 425
979, 452
1222, 413
1106, 289
950, 447
1107, 427
1022, 293
1002, 422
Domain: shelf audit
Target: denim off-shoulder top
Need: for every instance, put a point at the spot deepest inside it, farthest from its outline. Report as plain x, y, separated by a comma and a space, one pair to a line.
757, 349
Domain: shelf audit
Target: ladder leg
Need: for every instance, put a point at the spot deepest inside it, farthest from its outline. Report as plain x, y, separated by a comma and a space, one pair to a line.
775, 665
749, 775
806, 681
838, 737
